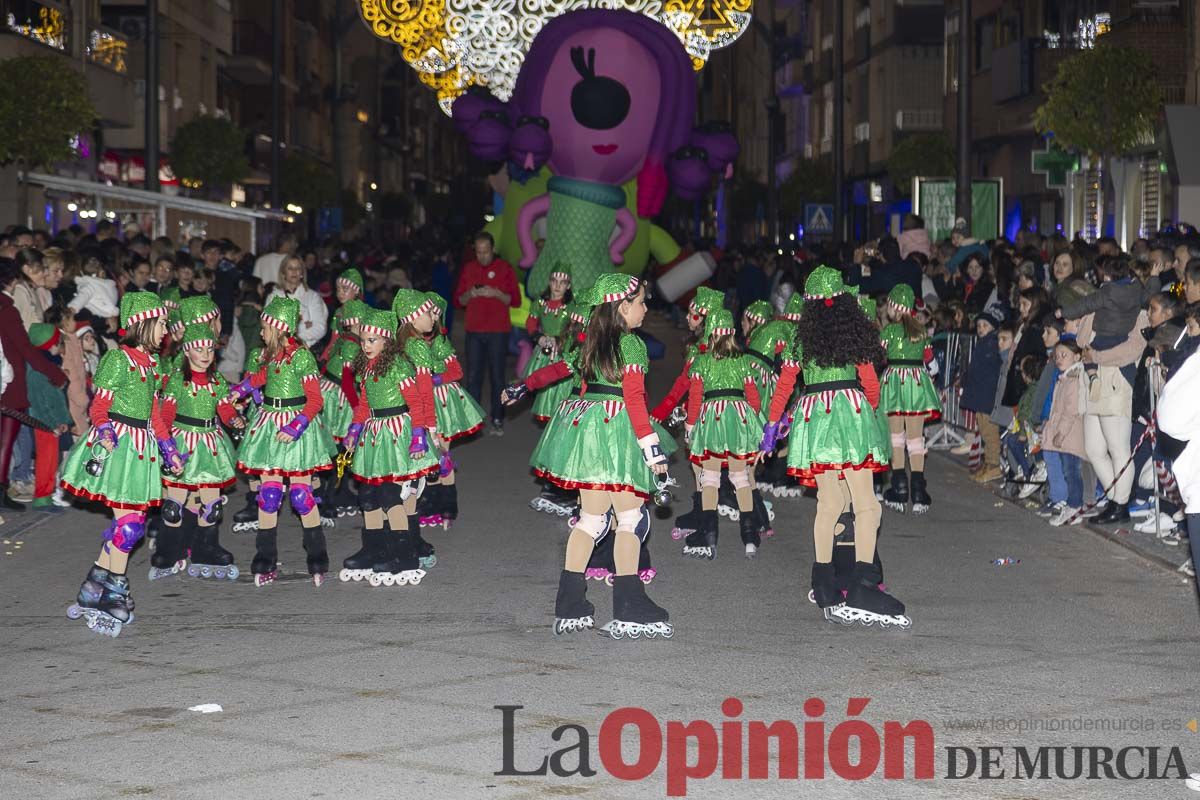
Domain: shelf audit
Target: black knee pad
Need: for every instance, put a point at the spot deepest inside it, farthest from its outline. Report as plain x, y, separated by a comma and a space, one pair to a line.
390, 495
172, 512
368, 497
643, 527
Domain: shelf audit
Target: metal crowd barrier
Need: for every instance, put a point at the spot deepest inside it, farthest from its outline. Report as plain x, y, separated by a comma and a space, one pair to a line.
953, 352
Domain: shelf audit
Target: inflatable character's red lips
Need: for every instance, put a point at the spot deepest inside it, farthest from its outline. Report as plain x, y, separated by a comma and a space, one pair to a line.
605, 149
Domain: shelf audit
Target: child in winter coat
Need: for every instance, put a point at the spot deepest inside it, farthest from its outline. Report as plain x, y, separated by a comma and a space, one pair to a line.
1062, 435
96, 292
979, 388
48, 405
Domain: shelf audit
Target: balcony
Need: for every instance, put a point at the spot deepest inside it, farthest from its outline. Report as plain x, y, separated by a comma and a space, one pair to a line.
919, 120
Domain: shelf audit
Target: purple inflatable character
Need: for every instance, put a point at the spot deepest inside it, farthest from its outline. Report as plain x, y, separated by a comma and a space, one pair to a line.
603, 97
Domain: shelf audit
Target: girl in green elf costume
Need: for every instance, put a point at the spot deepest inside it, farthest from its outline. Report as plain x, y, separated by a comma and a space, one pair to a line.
389, 441
337, 384
909, 398
119, 462
602, 444
288, 440
547, 320
834, 437
195, 402
765, 347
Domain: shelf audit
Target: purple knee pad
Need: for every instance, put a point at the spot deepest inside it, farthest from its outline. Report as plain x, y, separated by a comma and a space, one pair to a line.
301, 498
270, 497
126, 532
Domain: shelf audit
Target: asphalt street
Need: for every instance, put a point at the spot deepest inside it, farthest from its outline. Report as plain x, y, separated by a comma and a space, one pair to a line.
352, 691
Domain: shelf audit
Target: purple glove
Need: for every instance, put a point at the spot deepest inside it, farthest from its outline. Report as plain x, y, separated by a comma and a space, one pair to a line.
419, 444
770, 437
170, 453
106, 435
445, 464
437, 380
296, 427
515, 391
350, 440
241, 391
785, 425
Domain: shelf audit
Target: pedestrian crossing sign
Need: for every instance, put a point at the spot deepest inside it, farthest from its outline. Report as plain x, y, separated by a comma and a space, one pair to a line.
818, 219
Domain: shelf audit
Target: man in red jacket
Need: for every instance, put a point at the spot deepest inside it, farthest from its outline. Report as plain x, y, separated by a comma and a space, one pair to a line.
487, 288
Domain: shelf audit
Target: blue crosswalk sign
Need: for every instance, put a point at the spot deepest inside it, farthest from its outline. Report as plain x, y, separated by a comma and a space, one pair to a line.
818, 218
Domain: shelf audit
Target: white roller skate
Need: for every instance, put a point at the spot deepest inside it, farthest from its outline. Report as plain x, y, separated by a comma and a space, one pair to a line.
572, 611
634, 614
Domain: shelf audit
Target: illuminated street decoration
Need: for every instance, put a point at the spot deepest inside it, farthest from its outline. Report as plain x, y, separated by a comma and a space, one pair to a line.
50, 29
455, 44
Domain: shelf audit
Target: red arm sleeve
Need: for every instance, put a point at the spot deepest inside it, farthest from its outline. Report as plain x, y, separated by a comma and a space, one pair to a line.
551, 373
695, 398
167, 409
531, 324
226, 411
312, 397
752, 395
454, 371
158, 419
98, 411
783, 390
870, 383
678, 390
928, 355
633, 385
361, 409
428, 418
349, 390
416, 404
259, 379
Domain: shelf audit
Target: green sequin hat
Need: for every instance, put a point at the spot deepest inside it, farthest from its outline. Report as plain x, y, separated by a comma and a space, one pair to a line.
352, 278
282, 314
759, 311
581, 309
198, 309
138, 306
352, 311
794, 307
561, 271
901, 299
410, 303
706, 300
824, 284
868, 305
719, 323
439, 302
380, 323
198, 335
175, 321
613, 286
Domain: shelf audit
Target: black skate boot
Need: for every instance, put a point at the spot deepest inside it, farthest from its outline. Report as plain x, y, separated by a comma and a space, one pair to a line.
317, 556
646, 571
266, 557
551, 500
427, 506
601, 566
689, 521
402, 566
345, 502
359, 566
867, 604
448, 504
751, 536
209, 559
572, 611
727, 499
921, 501
879, 482
825, 591
321, 492
246, 519
635, 614
425, 551
88, 604
775, 477
896, 498
168, 558
702, 543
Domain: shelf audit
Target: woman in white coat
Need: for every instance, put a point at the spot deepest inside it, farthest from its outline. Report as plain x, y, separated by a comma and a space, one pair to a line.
1179, 417
314, 314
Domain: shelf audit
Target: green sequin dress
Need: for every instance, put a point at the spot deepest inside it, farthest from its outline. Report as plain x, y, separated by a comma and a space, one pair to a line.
552, 319
590, 443
458, 415
727, 427
579, 226
198, 433
132, 477
382, 452
764, 343
336, 410
907, 389
283, 399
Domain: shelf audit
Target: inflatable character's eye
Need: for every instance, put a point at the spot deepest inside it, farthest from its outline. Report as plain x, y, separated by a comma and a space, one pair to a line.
597, 103
541, 122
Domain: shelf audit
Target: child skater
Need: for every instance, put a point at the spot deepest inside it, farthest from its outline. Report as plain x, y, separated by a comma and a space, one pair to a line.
337, 385
288, 440
118, 462
835, 437
391, 455
195, 402
458, 417
909, 398
723, 426
548, 318
603, 445
765, 347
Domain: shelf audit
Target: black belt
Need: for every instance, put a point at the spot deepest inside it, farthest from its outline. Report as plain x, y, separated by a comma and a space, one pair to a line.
132, 422
611, 391
830, 386
283, 402
717, 394
384, 413
195, 421
333, 378
769, 363
906, 362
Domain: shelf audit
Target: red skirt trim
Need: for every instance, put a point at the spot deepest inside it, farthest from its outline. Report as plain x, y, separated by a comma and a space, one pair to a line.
931, 415
394, 478
285, 473
540, 418
191, 487
708, 455
570, 485
808, 477
469, 432
99, 498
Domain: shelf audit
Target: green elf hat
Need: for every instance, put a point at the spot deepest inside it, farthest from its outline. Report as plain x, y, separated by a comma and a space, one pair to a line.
719, 323
613, 286
868, 305
352, 311
794, 308
43, 335
380, 323
175, 321
409, 304
351, 279
580, 309
824, 284
138, 306
198, 335
706, 301
901, 299
561, 272
758, 312
198, 309
282, 314
438, 301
